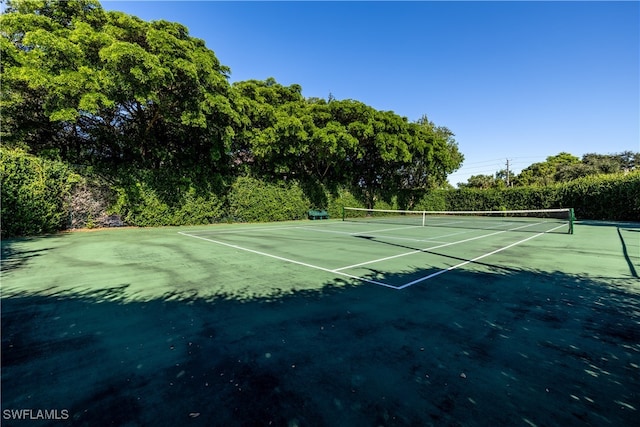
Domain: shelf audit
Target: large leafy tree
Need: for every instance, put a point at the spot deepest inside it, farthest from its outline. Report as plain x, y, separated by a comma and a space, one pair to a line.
375, 153
110, 89
329, 144
284, 136
382, 146
394, 156
272, 130
544, 173
437, 158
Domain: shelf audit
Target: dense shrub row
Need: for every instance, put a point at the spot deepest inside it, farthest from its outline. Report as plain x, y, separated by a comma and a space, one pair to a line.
35, 193
604, 197
140, 204
252, 200
43, 196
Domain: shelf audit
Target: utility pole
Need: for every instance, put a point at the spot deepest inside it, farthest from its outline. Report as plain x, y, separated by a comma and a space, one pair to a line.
507, 172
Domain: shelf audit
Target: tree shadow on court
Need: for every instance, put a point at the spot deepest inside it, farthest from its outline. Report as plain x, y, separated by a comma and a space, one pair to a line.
628, 245
421, 273
597, 223
13, 257
625, 248
504, 347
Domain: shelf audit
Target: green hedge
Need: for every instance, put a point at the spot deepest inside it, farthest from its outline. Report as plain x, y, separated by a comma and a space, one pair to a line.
35, 193
139, 204
604, 197
339, 200
247, 200
433, 201
252, 200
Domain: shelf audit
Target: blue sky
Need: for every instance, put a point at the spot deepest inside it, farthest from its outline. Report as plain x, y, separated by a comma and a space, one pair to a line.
513, 80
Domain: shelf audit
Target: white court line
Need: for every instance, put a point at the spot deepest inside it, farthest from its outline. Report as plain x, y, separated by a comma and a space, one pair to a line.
390, 229
371, 235
246, 230
437, 273
434, 247
375, 282
471, 230
249, 228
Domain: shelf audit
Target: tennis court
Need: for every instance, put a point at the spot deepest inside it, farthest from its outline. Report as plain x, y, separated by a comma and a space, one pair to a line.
378, 320
377, 243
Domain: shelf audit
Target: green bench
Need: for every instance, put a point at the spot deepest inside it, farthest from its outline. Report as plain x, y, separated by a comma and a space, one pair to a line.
316, 214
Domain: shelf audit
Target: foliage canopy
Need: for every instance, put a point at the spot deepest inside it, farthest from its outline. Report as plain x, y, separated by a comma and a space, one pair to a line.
561, 168
107, 89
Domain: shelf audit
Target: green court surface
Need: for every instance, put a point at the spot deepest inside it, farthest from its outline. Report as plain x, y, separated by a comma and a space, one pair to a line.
325, 323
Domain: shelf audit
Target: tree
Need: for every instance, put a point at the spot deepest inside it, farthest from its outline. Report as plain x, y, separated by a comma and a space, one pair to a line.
483, 182
338, 143
392, 155
284, 137
565, 167
502, 177
629, 160
276, 132
437, 158
603, 163
544, 173
109, 89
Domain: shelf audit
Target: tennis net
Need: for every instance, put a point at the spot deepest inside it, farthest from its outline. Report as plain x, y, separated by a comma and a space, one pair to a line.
533, 220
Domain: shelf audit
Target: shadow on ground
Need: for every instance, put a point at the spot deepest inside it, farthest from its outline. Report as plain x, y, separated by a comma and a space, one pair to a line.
11, 257
512, 347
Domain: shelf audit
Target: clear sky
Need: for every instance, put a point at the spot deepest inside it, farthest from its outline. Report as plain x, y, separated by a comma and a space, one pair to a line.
513, 80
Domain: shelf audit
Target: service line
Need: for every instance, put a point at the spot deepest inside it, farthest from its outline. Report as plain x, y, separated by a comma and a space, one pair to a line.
369, 234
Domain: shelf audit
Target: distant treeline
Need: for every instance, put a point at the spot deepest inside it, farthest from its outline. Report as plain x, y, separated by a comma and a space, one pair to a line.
561, 168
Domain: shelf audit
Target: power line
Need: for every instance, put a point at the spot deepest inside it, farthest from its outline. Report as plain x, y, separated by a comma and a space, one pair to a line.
495, 165
486, 164
485, 161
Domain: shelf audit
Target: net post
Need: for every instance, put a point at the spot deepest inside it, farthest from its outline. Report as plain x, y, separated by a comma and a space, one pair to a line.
572, 218
343, 214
